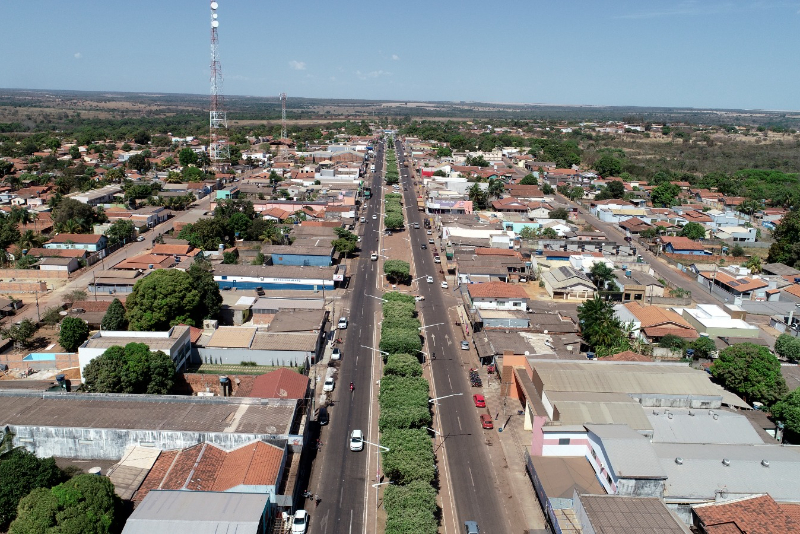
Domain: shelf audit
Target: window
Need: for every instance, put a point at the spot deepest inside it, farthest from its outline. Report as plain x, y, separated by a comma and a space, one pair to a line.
564, 441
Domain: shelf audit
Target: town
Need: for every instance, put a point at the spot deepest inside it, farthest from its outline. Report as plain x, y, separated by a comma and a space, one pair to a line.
275, 315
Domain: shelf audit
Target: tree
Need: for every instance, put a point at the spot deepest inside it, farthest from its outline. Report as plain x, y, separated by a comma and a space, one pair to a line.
478, 197
163, 299
751, 371
73, 333
81, 215
21, 333
576, 193
737, 251
607, 166
549, 233
133, 369
187, 157
559, 213
665, 194
443, 152
786, 236
346, 243
547, 189
496, 188
614, 189
703, 347
754, 264
120, 231
788, 347
142, 137
394, 221
74, 152
788, 411
396, 270
205, 234
138, 162
673, 342
599, 326
51, 316
530, 179
84, 504
230, 258
602, 275
20, 473
114, 318
693, 230
528, 232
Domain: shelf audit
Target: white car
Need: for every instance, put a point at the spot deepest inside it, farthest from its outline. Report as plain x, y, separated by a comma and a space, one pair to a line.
429, 279
418, 298
328, 385
429, 232
374, 256
336, 354
363, 219
342, 324
374, 216
140, 238
444, 284
300, 522
357, 441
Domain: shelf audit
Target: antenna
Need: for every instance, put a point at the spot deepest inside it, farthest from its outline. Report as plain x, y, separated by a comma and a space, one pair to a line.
283, 115
217, 150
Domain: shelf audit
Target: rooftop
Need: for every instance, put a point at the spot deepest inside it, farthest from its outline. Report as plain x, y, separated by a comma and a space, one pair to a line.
629, 452
615, 514
496, 290
562, 476
677, 425
757, 514
280, 384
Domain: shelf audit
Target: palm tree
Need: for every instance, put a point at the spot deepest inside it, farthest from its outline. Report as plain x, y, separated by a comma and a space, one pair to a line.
601, 275
496, 188
70, 226
477, 196
30, 239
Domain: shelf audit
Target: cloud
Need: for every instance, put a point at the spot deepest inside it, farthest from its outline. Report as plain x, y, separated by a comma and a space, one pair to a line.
297, 65
78, 55
395, 57
372, 74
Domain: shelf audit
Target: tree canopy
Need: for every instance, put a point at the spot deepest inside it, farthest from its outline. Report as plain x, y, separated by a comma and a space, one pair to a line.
20, 472
396, 270
114, 318
751, 371
85, 504
133, 368
665, 195
74, 331
786, 248
788, 411
693, 230
600, 328
788, 347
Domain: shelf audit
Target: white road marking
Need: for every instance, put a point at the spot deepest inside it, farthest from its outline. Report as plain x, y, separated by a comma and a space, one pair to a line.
470, 476
459, 424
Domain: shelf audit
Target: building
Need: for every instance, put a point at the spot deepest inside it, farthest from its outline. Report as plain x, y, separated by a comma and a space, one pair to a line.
232, 345
277, 277
653, 322
716, 322
169, 512
683, 245
174, 343
298, 255
750, 514
497, 296
96, 197
66, 265
617, 514
114, 281
637, 285
88, 242
568, 283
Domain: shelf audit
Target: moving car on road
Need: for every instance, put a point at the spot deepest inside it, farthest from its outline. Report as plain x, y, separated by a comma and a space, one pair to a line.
342, 325
429, 279
374, 216
374, 256
356, 441
423, 246
471, 527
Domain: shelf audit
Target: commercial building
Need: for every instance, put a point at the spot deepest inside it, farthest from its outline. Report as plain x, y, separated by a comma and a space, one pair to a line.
278, 277
175, 343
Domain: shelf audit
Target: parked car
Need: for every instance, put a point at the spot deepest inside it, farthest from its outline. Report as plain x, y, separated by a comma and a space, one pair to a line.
444, 284
329, 384
429, 232
480, 401
342, 324
356, 440
437, 259
140, 238
336, 354
300, 522
418, 297
323, 416
363, 219
429, 279
486, 421
471, 527
431, 241
465, 345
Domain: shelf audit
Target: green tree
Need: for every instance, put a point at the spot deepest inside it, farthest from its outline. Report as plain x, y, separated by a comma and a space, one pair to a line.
787, 410
530, 179
130, 369
754, 264
788, 347
73, 333
478, 197
138, 162
549, 233
163, 299
614, 189
410, 456
20, 473
665, 194
671, 341
394, 221
547, 189
599, 326
786, 236
74, 152
142, 137
751, 371
602, 275
230, 258
496, 188
402, 365
607, 166
559, 213
205, 234
187, 157
114, 318
81, 215
703, 347
21, 334
84, 504
400, 340
737, 251
346, 243
576, 193
528, 232
443, 152
693, 230
120, 231
397, 270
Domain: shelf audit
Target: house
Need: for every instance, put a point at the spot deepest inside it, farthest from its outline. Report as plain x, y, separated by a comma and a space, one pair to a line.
568, 283
279, 277
653, 323
683, 245
744, 287
717, 322
180, 252
96, 197
299, 255
497, 296
113, 281
232, 345
67, 265
145, 262
636, 285
747, 514
282, 383
88, 242
738, 234
634, 225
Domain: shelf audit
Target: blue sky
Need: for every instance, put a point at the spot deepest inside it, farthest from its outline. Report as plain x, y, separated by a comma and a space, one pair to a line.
642, 53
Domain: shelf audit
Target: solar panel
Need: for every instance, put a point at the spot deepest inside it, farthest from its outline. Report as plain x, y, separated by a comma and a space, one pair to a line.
733, 283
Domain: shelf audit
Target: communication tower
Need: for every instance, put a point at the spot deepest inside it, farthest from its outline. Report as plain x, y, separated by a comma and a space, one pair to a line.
283, 115
217, 118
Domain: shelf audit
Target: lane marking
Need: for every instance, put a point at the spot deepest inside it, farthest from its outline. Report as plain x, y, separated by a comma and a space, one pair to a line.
459, 424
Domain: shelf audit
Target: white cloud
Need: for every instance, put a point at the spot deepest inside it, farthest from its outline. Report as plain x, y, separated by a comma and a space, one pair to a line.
372, 74
395, 57
78, 55
297, 65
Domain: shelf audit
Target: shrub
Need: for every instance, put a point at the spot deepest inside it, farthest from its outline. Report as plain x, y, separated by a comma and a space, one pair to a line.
410, 456
402, 365
394, 340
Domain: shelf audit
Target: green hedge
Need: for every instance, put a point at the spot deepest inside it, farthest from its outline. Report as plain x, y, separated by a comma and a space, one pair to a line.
410, 456
395, 340
402, 365
396, 296
411, 508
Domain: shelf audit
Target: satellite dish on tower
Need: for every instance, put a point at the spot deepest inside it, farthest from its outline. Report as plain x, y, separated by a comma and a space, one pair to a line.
215, 24
214, 5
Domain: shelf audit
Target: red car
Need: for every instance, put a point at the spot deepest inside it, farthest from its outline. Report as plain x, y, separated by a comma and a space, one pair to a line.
486, 421
480, 401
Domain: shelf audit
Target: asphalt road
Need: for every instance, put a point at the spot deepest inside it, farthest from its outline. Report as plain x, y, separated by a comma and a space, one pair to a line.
467, 464
343, 481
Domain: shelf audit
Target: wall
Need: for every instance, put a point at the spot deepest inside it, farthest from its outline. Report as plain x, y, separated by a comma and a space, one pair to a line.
110, 444
33, 274
640, 487
261, 357
301, 260
25, 287
578, 446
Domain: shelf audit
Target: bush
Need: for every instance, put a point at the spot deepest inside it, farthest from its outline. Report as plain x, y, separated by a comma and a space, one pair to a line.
410, 508
21, 472
397, 270
401, 322
398, 308
672, 342
404, 402
396, 296
410, 456
404, 417
394, 340
402, 365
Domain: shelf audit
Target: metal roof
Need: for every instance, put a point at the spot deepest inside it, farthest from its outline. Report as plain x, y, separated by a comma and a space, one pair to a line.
199, 512
616, 514
624, 412
676, 425
630, 454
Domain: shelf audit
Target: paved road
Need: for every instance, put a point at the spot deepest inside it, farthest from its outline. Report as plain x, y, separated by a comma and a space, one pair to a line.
342, 478
467, 464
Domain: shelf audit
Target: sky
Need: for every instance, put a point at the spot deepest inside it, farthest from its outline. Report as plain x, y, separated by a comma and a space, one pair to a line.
705, 54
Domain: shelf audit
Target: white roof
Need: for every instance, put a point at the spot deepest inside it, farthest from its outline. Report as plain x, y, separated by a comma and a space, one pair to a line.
677, 425
712, 316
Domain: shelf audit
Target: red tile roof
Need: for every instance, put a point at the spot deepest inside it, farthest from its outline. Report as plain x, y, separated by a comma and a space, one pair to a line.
175, 250
58, 253
497, 252
627, 356
280, 384
77, 238
498, 290
749, 515
682, 243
